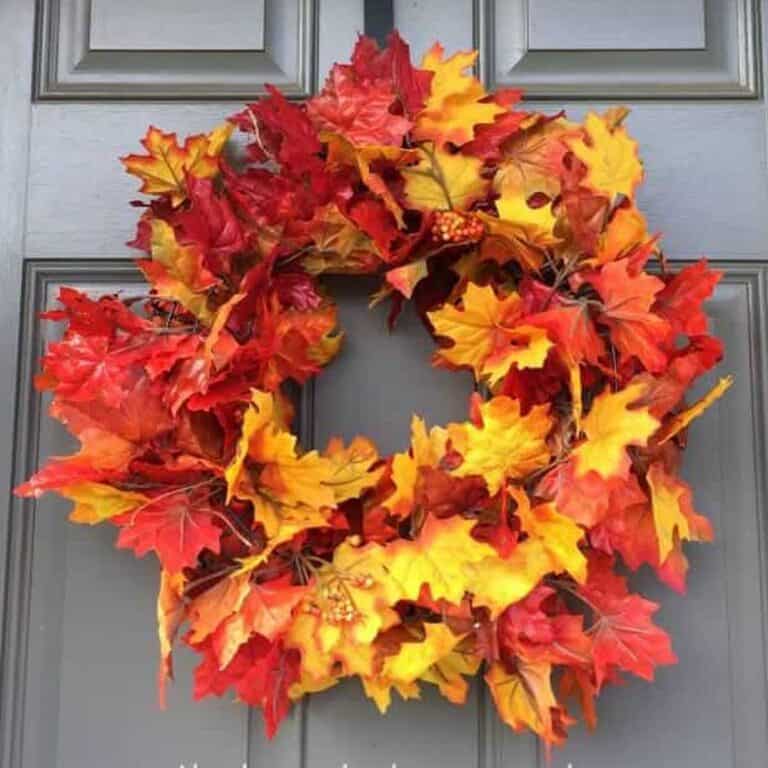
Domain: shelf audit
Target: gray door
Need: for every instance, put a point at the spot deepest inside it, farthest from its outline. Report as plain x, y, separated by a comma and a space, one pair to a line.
78, 640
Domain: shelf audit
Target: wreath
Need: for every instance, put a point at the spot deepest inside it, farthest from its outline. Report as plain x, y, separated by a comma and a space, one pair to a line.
494, 543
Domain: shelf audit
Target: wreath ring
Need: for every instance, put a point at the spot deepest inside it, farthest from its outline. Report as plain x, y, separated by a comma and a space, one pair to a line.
489, 543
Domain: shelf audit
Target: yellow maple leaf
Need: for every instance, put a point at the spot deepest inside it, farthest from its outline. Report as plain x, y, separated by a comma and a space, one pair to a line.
163, 169
508, 445
96, 502
613, 166
497, 582
485, 336
442, 181
558, 535
352, 467
473, 327
519, 220
673, 515
427, 449
454, 105
431, 658
611, 426
287, 477
681, 420
439, 557
176, 273
524, 698
171, 611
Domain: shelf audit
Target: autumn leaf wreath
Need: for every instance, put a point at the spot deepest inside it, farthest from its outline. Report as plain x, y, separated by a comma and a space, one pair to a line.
494, 543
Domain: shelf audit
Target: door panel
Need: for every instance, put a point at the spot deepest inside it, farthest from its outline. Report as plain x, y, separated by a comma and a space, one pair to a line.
78, 685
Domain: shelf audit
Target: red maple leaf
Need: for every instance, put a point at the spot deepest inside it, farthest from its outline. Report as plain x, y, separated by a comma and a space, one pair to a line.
176, 525
680, 302
358, 110
623, 635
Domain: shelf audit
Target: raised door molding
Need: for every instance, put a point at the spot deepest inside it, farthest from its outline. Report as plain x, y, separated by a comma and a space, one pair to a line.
80, 54
709, 51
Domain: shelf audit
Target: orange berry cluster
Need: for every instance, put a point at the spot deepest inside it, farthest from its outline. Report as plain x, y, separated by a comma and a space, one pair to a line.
338, 607
455, 227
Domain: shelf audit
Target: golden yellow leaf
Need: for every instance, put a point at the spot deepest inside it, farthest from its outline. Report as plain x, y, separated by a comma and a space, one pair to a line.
496, 582
508, 446
524, 698
673, 515
474, 327
613, 166
518, 220
439, 557
163, 170
558, 535
170, 615
443, 181
179, 275
352, 467
96, 502
611, 426
681, 420
454, 105
285, 477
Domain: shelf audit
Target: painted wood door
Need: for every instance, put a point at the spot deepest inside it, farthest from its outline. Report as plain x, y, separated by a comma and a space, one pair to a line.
78, 641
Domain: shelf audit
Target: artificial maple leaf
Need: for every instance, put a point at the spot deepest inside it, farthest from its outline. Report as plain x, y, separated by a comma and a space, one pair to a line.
625, 230
414, 661
538, 629
681, 420
485, 336
438, 557
393, 64
353, 470
96, 502
623, 635
366, 159
673, 514
285, 476
589, 498
558, 534
267, 684
627, 311
524, 698
177, 272
427, 449
612, 425
405, 279
613, 166
456, 101
505, 445
359, 111
163, 170
266, 610
518, 220
532, 159
680, 301
443, 181
171, 611
210, 608
176, 525
282, 131
497, 582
